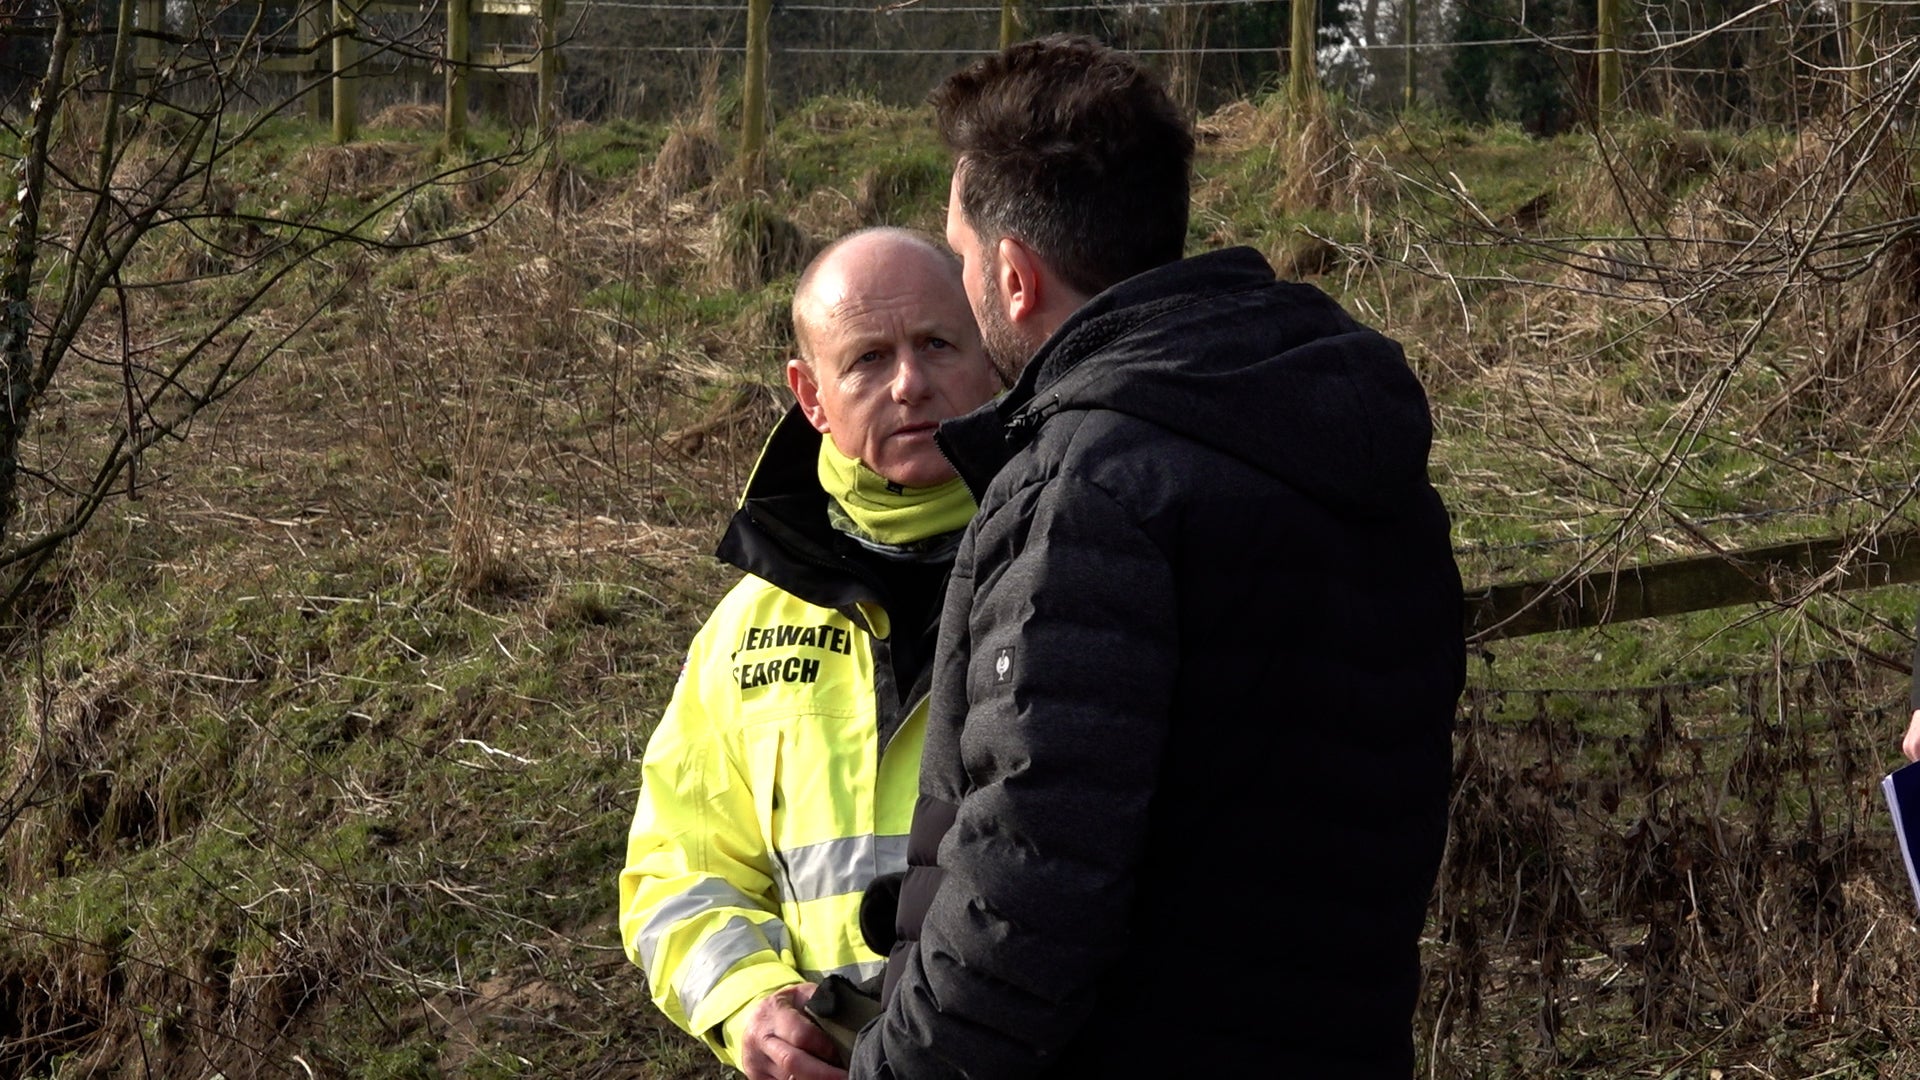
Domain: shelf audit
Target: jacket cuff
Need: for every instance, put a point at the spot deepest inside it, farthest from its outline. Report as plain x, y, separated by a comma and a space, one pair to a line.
733, 1035
722, 1014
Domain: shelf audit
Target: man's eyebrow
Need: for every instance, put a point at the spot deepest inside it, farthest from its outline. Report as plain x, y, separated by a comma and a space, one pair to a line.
843, 353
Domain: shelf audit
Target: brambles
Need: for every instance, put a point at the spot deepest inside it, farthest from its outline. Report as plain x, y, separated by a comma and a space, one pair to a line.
1703, 856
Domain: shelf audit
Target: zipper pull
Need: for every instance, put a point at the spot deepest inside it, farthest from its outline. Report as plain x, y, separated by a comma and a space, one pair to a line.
1029, 418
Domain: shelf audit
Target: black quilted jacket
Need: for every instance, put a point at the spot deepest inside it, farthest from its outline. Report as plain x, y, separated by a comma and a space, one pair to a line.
1186, 774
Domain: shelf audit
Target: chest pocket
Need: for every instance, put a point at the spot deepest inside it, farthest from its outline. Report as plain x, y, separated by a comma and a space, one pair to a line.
813, 777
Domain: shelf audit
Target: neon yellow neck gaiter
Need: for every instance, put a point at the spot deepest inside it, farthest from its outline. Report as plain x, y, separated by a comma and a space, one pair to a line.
879, 513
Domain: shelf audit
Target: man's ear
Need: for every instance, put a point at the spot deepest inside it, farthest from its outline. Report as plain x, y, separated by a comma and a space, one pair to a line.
807, 393
1023, 282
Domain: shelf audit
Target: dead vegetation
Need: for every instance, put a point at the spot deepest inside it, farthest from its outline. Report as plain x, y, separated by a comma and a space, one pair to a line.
407, 116
758, 244
691, 158
357, 170
1698, 864
350, 704
887, 192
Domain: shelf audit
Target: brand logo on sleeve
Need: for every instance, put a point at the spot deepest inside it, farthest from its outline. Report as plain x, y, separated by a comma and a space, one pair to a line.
1003, 666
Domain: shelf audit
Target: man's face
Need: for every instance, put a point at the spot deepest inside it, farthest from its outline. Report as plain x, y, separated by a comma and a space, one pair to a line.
895, 352
1005, 347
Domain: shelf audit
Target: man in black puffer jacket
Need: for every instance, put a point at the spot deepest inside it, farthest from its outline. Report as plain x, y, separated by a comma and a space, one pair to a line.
1185, 784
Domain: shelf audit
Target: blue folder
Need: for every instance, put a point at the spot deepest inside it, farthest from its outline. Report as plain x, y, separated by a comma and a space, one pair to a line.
1902, 787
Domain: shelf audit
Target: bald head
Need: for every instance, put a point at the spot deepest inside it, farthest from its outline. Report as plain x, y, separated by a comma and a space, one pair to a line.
856, 263
888, 349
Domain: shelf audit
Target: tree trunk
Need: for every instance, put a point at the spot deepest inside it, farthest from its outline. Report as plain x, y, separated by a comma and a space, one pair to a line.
459, 55
346, 53
16, 285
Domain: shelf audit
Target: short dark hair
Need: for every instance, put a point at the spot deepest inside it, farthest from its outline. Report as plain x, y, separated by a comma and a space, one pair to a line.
1074, 149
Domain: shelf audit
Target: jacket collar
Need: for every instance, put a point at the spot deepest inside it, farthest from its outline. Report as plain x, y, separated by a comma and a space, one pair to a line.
780, 532
980, 443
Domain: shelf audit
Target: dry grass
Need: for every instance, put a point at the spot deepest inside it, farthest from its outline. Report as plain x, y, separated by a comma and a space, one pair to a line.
756, 244
690, 160
357, 169
1635, 176
406, 116
470, 511
884, 193
1316, 162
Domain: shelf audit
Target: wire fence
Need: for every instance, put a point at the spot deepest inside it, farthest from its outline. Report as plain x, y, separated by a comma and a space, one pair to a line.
1772, 62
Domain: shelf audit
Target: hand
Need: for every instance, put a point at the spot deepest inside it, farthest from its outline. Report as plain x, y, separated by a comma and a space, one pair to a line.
783, 1043
1911, 744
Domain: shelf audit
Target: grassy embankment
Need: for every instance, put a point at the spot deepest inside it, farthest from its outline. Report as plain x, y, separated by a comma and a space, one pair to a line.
337, 728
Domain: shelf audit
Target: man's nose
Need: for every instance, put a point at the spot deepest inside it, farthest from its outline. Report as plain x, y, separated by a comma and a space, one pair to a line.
909, 376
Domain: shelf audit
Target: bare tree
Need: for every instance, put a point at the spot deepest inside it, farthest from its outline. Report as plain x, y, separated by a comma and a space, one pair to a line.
125, 191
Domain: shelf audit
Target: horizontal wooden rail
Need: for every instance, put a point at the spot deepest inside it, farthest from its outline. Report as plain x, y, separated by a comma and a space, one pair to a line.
530, 8
504, 60
1652, 590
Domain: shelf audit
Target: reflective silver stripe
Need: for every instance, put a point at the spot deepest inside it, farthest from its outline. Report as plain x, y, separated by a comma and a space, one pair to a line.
837, 867
713, 958
705, 895
860, 972
892, 855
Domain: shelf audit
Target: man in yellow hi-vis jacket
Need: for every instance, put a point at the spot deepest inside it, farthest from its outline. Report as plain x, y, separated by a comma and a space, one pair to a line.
782, 777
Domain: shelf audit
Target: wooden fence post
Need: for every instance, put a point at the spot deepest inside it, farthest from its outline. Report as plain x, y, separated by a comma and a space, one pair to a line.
753, 109
1861, 19
1607, 90
313, 29
1009, 24
1301, 82
146, 50
345, 52
1409, 40
459, 53
547, 91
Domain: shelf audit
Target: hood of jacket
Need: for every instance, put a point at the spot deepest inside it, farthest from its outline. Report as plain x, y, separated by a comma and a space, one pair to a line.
1216, 350
781, 533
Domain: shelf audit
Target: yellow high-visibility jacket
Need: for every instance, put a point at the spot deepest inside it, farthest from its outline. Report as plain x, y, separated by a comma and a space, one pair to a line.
766, 802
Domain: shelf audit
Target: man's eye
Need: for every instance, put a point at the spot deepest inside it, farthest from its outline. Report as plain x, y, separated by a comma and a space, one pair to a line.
939, 343
867, 357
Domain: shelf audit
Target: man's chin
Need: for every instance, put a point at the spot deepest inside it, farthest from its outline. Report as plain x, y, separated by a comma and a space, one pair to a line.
919, 474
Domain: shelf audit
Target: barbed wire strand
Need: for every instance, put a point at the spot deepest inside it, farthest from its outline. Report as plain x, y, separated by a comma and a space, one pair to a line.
1565, 42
